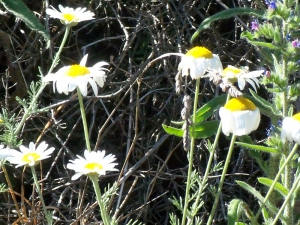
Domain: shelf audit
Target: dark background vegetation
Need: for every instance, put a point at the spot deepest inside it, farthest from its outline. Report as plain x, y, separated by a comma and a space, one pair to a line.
130, 109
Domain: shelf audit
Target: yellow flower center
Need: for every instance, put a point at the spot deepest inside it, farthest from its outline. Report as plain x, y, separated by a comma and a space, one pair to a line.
199, 52
69, 17
239, 104
32, 156
296, 116
231, 70
77, 70
93, 166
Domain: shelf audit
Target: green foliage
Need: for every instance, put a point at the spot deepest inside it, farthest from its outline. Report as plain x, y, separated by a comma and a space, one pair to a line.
278, 187
235, 208
257, 195
202, 130
224, 15
258, 147
20, 10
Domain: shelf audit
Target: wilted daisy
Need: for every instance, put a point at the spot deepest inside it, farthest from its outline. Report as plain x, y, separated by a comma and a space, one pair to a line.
197, 61
66, 79
239, 116
93, 163
241, 76
291, 128
69, 16
29, 156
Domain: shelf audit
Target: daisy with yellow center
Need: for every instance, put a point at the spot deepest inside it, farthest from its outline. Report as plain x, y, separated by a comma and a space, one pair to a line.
241, 76
239, 116
93, 163
66, 79
29, 156
197, 61
70, 16
291, 128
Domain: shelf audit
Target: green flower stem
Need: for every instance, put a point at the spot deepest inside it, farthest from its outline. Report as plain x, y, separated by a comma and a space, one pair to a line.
191, 155
104, 214
288, 179
230, 151
37, 185
287, 200
208, 166
290, 156
28, 111
85, 127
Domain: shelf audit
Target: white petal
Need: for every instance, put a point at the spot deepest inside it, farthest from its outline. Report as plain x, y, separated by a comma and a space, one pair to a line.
83, 60
241, 83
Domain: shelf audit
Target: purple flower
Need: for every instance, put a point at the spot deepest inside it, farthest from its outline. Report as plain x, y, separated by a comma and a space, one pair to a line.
271, 4
270, 130
296, 44
254, 25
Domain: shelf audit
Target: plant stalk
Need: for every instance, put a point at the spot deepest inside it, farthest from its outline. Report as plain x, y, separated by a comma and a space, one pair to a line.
226, 165
85, 127
191, 155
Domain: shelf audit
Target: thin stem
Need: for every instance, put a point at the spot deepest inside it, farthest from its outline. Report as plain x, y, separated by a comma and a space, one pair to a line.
104, 214
12, 192
291, 155
208, 166
28, 111
37, 185
287, 200
191, 154
85, 127
212, 214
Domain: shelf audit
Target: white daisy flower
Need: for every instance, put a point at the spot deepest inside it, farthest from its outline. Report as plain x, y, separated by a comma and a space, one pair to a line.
291, 128
66, 79
239, 116
94, 163
197, 61
4, 153
29, 156
69, 16
241, 76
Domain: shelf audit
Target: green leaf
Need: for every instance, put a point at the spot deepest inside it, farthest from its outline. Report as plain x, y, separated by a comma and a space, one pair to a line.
258, 147
257, 195
173, 131
206, 129
226, 14
207, 110
20, 10
234, 210
278, 186
264, 44
210, 107
202, 130
265, 107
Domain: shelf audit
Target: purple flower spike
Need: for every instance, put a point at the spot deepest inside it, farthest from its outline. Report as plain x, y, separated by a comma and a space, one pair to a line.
271, 4
254, 25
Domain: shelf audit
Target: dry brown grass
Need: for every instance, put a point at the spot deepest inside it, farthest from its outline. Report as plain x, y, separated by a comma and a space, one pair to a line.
126, 118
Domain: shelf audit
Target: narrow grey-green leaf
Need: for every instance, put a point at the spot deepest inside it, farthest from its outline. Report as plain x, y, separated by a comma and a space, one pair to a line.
226, 14
258, 147
264, 44
257, 195
278, 186
265, 107
20, 10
